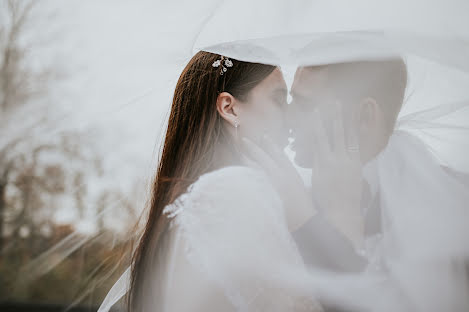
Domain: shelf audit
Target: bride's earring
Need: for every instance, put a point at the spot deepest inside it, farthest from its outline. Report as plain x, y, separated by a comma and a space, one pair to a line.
236, 125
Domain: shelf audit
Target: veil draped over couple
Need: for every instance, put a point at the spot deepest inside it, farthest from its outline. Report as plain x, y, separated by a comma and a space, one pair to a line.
378, 223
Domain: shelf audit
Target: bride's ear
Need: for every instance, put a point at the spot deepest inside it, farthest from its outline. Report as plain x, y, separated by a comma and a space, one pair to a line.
227, 108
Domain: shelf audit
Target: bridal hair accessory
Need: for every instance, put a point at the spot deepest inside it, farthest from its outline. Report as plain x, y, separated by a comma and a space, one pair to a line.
224, 62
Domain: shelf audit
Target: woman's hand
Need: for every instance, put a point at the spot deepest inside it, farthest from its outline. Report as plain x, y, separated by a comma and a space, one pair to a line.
286, 180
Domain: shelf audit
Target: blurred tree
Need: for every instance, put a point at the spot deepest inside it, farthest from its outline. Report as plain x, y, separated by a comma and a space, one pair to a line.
35, 166
19, 84
43, 172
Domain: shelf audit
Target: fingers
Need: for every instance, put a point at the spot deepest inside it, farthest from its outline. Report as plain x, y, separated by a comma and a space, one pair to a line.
322, 147
276, 152
258, 154
353, 146
338, 131
315, 161
249, 162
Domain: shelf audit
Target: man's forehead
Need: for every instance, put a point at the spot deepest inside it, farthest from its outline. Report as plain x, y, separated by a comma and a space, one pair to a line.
274, 80
309, 78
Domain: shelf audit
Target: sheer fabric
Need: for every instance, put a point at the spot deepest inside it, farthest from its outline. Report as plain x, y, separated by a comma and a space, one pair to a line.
228, 248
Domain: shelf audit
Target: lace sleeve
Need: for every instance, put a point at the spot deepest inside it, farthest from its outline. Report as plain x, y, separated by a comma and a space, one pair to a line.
234, 237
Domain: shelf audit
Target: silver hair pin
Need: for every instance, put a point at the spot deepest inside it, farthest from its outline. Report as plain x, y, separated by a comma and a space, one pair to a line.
224, 62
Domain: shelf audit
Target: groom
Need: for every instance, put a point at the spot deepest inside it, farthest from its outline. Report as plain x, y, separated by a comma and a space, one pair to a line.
341, 117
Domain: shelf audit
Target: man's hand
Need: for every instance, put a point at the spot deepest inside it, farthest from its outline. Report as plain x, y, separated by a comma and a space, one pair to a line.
336, 178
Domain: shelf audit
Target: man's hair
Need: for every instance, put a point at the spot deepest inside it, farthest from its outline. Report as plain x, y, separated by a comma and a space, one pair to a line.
383, 80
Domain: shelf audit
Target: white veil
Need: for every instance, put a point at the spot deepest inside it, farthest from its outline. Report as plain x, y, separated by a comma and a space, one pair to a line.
417, 262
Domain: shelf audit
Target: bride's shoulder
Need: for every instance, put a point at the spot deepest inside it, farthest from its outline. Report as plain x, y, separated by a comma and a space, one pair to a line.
232, 183
231, 178
233, 188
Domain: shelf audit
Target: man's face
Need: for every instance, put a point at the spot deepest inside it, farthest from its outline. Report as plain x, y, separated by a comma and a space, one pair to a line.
316, 95
310, 95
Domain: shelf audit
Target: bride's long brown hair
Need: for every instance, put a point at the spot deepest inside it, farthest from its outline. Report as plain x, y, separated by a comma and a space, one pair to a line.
194, 131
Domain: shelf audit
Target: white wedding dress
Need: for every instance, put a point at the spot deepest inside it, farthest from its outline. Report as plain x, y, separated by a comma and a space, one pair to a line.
227, 248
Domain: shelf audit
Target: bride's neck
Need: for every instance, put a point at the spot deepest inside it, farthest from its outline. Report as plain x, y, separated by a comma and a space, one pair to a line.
225, 154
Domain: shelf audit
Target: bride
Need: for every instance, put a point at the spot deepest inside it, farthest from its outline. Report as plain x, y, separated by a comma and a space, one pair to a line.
217, 237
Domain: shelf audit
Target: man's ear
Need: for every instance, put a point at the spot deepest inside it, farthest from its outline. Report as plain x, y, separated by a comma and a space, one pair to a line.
227, 108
